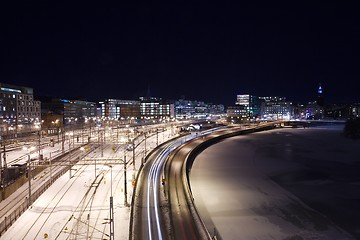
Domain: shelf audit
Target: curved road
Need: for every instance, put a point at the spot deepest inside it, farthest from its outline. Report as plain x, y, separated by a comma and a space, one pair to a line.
163, 205
149, 199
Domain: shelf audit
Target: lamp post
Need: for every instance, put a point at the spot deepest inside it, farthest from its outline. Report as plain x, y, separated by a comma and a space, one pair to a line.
125, 185
50, 168
111, 207
29, 172
102, 142
95, 170
69, 134
3, 165
157, 137
133, 153
144, 149
39, 134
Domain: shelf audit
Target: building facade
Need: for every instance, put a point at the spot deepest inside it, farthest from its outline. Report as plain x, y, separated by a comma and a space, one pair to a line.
187, 109
249, 106
66, 112
156, 108
276, 108
120, 109
19, 112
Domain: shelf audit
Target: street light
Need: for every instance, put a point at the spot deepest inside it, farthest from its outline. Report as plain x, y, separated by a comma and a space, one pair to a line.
50, 168
29, 170
142, 162
69, 134
125, 184
111, 219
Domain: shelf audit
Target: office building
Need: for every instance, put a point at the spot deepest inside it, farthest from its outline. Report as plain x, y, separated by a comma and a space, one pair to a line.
156, 108
19, 112
249, 106
67, 112
187, 109
116, 109
276, 108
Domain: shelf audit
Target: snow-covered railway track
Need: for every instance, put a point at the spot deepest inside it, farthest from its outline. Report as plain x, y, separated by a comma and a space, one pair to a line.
52, 205
84, 216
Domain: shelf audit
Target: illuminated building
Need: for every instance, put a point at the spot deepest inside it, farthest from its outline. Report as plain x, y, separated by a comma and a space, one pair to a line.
185, 109
71, 112
249, 106
276, 108
120, 109
320, 97
19, 112
151, 107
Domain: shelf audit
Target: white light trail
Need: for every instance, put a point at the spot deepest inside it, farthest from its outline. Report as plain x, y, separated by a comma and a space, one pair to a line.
153, 184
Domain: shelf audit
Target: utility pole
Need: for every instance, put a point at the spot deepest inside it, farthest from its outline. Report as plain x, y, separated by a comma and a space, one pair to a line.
90, 131
58, 134
69, 156
3, 166
39, 134
143, 158
50, 168
157, 137
133, 152
111, 210
125, 185
95, 170
82, 132
103, 135
145, 142
117, 134
63, 140
100, 139
29, 178
1, 170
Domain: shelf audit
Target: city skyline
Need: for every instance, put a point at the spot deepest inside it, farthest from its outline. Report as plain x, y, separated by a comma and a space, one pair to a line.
203, 52
251, 130
148, 95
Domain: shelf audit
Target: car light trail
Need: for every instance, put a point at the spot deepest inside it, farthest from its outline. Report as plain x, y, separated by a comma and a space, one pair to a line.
153, 184
153, 190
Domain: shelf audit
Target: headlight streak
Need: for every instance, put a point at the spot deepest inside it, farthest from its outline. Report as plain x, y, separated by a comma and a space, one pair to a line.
155, 172
152, 217
153, 183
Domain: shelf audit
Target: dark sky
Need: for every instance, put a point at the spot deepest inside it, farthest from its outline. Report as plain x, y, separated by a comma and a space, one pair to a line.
200, 51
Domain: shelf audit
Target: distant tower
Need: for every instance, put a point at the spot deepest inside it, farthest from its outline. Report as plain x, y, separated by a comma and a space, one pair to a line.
320, 97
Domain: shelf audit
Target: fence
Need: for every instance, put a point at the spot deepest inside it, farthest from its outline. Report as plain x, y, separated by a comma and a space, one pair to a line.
24, 204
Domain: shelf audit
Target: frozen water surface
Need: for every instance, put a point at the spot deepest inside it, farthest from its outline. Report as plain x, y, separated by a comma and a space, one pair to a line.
280, 184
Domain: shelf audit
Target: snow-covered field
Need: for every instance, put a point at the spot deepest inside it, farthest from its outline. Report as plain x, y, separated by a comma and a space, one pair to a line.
281, 184
79, 207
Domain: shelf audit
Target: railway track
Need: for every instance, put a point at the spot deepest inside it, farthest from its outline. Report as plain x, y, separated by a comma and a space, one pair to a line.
84, 220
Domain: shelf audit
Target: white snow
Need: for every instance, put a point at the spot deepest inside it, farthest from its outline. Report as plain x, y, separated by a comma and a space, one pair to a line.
69, 209
231, 185
236, 197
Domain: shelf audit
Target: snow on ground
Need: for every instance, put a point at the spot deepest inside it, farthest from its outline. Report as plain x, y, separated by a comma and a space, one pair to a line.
59, 212
280, 184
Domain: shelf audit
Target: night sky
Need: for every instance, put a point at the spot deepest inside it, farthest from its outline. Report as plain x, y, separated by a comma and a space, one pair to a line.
200, 51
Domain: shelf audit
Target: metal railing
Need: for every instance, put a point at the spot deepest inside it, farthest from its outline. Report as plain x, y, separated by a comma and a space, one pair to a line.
24, 204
